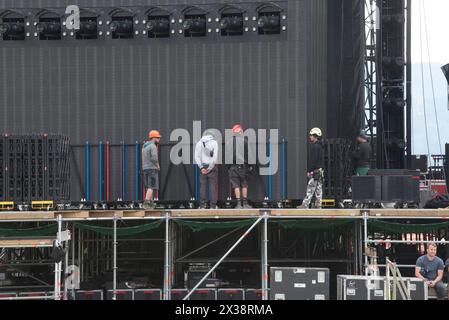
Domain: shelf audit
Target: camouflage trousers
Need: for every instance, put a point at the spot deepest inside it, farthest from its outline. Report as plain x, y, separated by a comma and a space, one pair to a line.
314, 188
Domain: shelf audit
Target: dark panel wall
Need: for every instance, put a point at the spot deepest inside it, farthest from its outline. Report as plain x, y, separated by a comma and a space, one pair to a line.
116, 90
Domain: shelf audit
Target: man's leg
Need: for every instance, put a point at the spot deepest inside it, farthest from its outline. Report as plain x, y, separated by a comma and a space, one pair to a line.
212, 182
203, 191
149, 195
440, 288
311, 186
318, 194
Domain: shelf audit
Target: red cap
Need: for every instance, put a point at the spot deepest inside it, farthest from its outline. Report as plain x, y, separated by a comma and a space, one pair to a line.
237, 128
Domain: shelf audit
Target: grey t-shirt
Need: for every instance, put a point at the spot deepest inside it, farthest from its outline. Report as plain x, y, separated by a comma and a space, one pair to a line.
429, 269
150, 156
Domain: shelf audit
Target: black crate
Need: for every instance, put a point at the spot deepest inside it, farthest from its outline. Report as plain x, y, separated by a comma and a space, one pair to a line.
179, 294
191, 279
6, 295
204, 294
231, 294
89, 295
44, 295
121, 294
418, 162
148, 294
360, 288
417, 287
299, 283
253, 294
367, 189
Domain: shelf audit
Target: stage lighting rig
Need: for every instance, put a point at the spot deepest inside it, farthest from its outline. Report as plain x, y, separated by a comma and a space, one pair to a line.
158, 26
269, 23
88, 28
49, 29
13, 29
194, 25
231, 24
122, 28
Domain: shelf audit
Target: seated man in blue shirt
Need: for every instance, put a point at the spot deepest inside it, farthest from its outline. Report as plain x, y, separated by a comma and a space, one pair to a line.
430, 268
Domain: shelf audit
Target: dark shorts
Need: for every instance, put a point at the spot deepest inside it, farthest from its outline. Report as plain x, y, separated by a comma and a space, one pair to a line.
151, 179
238, 176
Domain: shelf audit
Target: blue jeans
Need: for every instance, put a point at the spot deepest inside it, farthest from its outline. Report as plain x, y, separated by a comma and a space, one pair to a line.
440, 288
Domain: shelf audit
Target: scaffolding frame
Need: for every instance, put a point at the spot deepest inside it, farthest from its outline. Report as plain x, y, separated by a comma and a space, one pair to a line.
47, 242
263, 216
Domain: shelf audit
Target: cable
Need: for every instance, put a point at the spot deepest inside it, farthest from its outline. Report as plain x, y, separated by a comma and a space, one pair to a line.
440, 144
431, 81
422, 81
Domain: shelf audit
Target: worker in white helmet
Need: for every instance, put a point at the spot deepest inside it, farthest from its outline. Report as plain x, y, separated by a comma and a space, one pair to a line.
315, 172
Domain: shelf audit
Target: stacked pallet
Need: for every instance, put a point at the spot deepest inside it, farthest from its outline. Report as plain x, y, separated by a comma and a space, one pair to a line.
34, 167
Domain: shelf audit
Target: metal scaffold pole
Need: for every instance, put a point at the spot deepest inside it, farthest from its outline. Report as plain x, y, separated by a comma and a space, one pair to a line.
58, 265
223, 258
167, 263
114, 263
73, 255
365, 237
264, 260
66, 264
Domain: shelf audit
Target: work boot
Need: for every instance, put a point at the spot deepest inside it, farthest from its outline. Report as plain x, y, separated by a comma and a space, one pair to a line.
302, 206
239, 205
246, 205
149, 205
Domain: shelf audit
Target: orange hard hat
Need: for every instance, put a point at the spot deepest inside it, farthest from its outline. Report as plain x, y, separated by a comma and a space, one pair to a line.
237, 128
154, 134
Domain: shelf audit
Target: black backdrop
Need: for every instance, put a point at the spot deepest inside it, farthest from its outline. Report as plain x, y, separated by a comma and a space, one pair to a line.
116, 90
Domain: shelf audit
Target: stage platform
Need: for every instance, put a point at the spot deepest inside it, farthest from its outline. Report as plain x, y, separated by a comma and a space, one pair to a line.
17, 216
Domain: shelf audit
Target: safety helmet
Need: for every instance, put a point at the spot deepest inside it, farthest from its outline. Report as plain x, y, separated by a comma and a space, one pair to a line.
363, 135
316, 132
154, 134
237, 128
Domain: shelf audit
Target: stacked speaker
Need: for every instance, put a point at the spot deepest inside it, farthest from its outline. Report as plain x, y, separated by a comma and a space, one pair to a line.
34, 167
387, 186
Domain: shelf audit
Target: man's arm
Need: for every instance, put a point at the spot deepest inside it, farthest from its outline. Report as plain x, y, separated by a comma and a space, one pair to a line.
155, 156
418, 273
198, 155
439, 277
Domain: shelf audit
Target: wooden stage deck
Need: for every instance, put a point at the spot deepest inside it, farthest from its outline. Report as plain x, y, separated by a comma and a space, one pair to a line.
222, 214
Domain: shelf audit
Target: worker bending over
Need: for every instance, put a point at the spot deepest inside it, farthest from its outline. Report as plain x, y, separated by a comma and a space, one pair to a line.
206, 157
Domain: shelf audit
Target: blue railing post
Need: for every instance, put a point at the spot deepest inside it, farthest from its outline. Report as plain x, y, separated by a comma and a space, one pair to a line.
101, 170
87, 171
123, 172
137, 171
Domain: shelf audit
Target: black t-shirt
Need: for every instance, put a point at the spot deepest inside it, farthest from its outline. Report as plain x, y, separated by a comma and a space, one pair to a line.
362, 155
315, 157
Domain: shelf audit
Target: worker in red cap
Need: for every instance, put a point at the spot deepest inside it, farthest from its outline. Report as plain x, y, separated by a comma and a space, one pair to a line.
239, 170
151, 167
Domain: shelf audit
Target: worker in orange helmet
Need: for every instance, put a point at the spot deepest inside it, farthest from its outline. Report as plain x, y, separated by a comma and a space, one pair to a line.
151, 167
